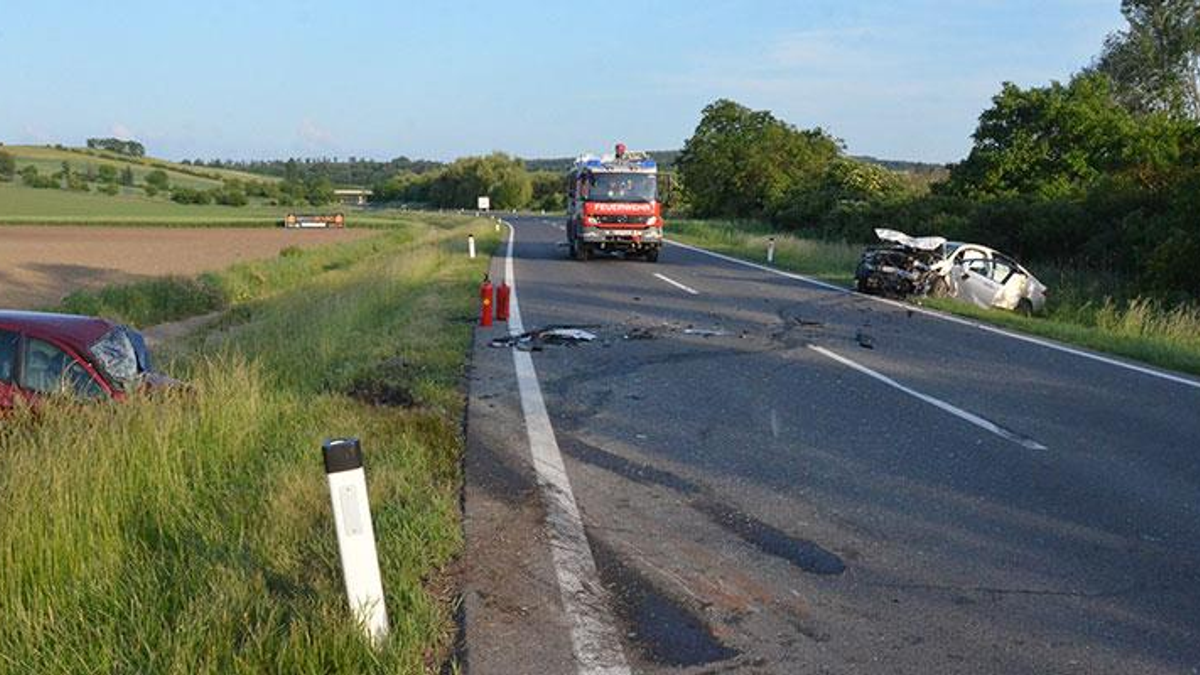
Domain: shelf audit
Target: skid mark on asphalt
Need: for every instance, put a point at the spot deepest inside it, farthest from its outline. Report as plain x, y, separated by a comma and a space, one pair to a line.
594, 638
662, 629
981, 422
805, 555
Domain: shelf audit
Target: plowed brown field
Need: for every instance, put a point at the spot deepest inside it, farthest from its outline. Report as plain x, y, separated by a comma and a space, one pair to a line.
40, 265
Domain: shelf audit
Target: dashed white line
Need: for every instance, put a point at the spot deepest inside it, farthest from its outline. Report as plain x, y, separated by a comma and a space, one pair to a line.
936, 402
594, 637
676, 284
1048, 344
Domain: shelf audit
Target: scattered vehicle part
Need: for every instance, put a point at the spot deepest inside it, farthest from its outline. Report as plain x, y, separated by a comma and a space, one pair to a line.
566, 335
864, 340
704, 332
44, 354
612, 205
916, 266
532, 341
640, 333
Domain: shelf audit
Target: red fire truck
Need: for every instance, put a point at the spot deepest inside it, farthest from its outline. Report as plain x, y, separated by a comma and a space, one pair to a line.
612, 205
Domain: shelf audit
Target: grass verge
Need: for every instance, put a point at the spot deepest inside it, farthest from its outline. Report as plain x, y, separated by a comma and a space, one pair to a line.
1077, 312
190, 533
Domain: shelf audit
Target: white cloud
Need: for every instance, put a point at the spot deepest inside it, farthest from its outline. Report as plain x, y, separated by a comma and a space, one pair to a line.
121, 131
843, 47
313, 135
34, 134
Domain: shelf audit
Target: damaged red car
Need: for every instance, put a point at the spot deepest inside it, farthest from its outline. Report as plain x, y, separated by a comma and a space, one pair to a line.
44, 354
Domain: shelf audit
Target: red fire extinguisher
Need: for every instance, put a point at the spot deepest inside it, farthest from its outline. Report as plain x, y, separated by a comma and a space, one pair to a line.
502, 293
485, 301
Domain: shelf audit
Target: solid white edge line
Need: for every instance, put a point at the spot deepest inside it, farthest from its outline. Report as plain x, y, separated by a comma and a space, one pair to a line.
594, 638
1042, 342
978, 421
676, 284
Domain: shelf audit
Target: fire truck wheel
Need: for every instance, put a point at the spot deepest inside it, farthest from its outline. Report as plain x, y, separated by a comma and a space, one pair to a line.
572, 250
584, 252
652, 255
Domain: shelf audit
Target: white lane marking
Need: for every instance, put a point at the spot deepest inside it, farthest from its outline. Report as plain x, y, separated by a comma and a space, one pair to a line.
937, 402
676, 284
594, 637
1041, 342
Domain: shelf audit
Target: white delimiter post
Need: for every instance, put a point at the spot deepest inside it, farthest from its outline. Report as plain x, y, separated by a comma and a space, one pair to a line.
471, 245
771, 250
356, 536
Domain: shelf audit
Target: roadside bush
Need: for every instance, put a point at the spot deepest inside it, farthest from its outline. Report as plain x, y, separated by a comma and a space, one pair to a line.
8, 166
33, 179
186, 195
229, 195
158, 179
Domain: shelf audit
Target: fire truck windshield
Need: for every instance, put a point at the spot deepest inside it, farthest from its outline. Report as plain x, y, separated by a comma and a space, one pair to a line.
621, 187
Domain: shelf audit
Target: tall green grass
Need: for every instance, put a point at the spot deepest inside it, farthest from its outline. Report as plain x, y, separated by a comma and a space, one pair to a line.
830, 261
191, 532
1083, 308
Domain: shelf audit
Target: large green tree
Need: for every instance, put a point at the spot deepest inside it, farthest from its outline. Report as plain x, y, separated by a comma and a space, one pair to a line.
1155, 63
742, 162
501, 178
1058, 140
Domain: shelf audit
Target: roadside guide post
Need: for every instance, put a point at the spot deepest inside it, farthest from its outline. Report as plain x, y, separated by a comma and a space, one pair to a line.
471, 246
771, 250
356, 536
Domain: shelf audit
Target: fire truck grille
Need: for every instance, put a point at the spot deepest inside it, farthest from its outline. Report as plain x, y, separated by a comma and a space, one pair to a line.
623, 220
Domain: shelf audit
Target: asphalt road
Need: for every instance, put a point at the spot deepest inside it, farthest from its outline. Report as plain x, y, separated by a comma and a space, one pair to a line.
776, 477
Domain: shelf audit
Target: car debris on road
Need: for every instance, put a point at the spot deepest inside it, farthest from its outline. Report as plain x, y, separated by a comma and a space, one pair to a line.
908, 266
532, 341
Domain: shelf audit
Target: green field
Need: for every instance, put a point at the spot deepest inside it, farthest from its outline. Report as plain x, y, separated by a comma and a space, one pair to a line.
191, 532
50, 159
24, 205
21, 205
1080, 309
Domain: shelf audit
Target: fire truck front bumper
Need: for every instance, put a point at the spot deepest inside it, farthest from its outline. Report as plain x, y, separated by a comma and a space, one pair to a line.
611, 237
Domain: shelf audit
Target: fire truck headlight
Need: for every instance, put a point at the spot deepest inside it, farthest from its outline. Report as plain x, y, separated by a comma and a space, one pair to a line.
591, 220
652, 221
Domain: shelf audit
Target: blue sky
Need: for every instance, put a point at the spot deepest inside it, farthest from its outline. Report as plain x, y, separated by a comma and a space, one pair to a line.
904, 79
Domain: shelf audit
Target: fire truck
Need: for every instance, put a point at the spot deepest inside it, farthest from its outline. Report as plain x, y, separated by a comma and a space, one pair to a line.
612, 206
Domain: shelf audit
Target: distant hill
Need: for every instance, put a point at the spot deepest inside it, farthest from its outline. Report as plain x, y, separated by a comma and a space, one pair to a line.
352, 172
904, 166
49, 159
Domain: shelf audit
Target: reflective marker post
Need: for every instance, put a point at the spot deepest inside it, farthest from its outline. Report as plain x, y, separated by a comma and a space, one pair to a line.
356, 536
771, 250
471, 245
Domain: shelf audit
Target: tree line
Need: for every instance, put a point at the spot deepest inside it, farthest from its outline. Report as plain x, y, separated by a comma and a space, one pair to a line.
504, 179
107, 179
351, 172
129, 147
1101, 171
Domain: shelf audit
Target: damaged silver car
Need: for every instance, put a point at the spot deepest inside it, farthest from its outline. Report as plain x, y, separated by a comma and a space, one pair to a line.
915, 266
